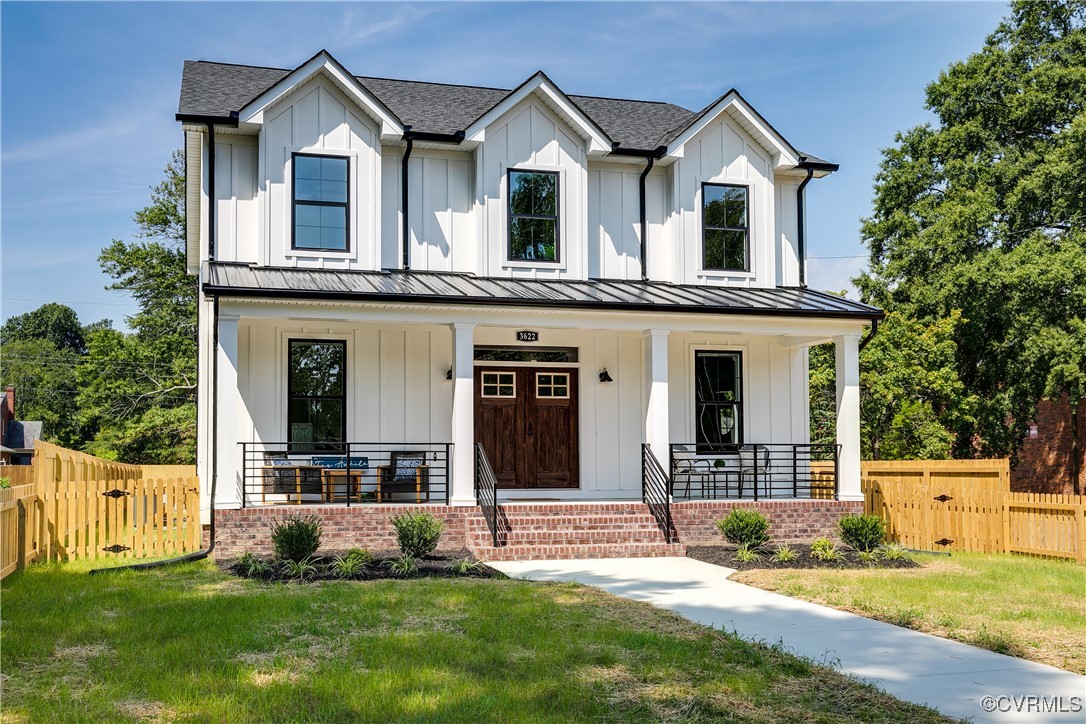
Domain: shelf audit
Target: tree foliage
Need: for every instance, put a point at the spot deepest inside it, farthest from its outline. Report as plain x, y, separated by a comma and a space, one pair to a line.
979, 217
139, 389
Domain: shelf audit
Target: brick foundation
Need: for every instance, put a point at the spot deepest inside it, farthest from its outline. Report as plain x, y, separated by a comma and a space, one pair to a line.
365, 526
790, 521
539, 531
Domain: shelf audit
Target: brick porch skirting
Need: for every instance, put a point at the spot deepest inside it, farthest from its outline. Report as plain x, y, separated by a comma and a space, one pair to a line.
566, 530
790, 521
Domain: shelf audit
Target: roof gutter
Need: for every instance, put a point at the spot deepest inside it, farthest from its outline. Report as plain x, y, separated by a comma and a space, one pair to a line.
650, 156
868, 337
405, 229
230, 120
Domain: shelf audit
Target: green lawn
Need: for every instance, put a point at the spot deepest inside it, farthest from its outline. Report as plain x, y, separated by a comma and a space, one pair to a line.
193, 642
1034, 608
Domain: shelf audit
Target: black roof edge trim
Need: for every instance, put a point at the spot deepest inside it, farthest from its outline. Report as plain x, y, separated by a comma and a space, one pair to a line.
431, 299
231, 120
457, 137
819, 165
658, 152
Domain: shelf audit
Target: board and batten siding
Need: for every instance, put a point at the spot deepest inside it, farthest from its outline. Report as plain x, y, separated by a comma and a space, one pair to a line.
614, 219
723, 153
237, 211
443, 233
530, 136
318, 118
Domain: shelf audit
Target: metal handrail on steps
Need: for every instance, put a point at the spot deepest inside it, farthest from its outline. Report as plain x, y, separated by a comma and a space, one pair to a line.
656, 491
486, 491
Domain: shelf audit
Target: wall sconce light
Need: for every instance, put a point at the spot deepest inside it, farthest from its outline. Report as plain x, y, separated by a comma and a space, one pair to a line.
448, 374
604, 377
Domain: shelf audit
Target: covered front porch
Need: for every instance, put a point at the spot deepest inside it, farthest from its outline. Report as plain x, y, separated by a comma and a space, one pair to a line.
347, 388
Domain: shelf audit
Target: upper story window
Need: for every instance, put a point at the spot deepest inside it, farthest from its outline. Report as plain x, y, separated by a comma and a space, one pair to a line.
725, 227
317, 394
718, 399
321, 191
533, 216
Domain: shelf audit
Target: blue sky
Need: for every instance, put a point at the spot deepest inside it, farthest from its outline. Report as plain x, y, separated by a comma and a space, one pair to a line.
89, 92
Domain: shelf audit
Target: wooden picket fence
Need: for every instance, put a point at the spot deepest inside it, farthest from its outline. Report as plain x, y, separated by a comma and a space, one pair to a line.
966, 505
83, 507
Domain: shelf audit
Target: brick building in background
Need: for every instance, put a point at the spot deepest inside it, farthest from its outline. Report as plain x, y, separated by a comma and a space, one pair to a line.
1045, 464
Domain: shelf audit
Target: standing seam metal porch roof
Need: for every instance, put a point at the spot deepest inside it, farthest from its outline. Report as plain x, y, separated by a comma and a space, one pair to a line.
242, 280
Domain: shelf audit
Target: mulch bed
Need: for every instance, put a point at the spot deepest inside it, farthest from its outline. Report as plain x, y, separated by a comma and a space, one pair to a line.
437, 565
724, 555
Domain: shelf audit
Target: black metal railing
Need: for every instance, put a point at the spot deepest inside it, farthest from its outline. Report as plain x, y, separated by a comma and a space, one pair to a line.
754, 470
486, 491
352, 473
655, 491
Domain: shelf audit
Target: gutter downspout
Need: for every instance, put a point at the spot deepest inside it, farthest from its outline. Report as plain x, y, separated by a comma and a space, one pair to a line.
405, 242
201, 554
867, 337
644, 220
801, 221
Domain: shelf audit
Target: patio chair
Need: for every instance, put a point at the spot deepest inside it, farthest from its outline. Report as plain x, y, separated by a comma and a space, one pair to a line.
688, 467
407, 472
753, 462
283, 476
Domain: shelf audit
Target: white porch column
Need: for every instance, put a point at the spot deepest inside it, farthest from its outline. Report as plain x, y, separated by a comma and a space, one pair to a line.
226, 399
657, 432
462, 464
848, 416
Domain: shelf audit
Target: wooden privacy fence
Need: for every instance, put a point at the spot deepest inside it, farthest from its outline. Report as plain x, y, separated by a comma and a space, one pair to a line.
82, 507
966, 505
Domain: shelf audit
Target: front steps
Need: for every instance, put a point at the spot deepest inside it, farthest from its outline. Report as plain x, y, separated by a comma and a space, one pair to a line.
547, 531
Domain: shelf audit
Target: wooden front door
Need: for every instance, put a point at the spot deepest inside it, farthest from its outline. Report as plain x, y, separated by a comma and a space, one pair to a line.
526, 419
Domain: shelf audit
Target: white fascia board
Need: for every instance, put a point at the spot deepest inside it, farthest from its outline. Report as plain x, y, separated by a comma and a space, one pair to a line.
750, 121
539, 84
253, 112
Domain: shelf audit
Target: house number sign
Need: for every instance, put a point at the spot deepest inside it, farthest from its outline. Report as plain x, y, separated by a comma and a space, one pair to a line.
527, 335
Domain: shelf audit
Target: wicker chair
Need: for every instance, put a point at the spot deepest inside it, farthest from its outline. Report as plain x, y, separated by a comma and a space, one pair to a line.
407, 472
282, 476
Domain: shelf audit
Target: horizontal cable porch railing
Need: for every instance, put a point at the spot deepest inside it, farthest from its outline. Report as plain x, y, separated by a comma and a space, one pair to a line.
754, 471
351, 473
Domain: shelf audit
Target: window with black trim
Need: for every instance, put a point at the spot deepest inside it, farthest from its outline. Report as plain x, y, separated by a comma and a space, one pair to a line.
317, 392
718, 399
321, 190
725, 227
533, 216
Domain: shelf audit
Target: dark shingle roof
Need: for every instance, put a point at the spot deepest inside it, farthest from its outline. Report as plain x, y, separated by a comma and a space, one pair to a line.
22, 434
468, 289
219, 89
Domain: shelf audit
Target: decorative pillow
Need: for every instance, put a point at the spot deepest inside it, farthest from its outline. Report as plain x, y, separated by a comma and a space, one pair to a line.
284, 463
406, 466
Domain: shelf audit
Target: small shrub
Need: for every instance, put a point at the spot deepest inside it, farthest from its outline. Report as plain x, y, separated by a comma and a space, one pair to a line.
299, 570
747, 554
5, 483
417, 533
250, 566
825, 550
871, 558
784, 554
894, 552
296, 538
348, 566
360, 554
405, 565
465, 565
862, 532
745, 527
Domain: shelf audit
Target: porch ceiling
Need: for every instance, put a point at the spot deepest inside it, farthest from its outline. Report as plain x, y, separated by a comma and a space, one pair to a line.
241, 280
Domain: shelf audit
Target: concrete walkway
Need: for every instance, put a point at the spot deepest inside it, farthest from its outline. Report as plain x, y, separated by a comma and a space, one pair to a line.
952, 677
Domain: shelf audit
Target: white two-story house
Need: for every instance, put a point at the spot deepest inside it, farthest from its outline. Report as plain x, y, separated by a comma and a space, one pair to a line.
418, 292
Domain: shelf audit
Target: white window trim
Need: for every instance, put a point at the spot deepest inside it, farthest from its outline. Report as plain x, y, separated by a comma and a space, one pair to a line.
699, 270
499, 384
553, 384
353, 205
563, 227
743, 349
